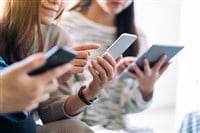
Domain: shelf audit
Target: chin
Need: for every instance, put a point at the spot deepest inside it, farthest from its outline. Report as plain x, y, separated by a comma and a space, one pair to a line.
47, 21
115, 12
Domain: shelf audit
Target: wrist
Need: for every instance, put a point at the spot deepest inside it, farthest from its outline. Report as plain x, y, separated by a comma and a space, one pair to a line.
147, 95
89, 94
85, 96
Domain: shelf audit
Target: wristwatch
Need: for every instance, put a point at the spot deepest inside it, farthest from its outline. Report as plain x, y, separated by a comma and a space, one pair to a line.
83, 98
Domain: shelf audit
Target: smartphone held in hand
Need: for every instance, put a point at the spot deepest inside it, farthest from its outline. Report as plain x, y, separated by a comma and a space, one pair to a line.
55, 57
121, 44
153, 54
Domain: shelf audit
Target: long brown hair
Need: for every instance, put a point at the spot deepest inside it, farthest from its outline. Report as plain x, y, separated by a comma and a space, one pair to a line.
124, 22
19, 26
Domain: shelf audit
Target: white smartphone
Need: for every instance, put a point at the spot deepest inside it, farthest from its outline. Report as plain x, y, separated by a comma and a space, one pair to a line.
121, 44
153, 54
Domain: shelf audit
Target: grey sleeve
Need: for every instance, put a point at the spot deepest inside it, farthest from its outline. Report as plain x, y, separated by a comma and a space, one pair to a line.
53, 108
54, 36
136, 103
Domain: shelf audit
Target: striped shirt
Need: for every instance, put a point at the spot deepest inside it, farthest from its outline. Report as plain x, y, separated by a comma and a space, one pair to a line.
191, 123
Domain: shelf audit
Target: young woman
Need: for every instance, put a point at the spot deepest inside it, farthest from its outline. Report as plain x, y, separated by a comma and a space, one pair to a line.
102, 21
18, 96
22, 34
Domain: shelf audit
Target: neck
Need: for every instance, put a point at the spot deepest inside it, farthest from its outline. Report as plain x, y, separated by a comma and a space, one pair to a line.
96, 14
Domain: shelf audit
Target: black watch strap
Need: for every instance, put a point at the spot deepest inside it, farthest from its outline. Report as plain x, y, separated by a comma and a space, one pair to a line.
82, 96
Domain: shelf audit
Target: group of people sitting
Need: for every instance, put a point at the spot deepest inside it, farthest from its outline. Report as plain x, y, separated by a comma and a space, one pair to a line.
85, 91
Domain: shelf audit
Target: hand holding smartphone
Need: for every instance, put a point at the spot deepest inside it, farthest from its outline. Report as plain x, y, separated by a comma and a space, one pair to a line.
121, 44
55, 57
153, 54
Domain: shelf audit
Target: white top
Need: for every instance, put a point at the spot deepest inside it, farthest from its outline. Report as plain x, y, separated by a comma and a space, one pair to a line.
122, 96
83, 30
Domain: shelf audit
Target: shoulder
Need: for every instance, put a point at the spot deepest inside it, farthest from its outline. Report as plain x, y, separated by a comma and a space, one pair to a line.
71, 15
73, 20
52, 30
54, 35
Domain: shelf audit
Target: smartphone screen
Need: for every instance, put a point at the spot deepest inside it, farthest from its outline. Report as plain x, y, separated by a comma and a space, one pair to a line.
153, 54
55, 57
121, 44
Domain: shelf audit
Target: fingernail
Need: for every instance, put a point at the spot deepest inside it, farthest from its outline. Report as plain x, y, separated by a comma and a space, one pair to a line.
146, 60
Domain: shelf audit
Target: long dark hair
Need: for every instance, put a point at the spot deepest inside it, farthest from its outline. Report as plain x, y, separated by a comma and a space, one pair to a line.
18, 27
125, 23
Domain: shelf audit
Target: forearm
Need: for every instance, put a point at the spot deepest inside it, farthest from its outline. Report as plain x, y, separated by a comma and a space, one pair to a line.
136, 102
74, 105
147, 95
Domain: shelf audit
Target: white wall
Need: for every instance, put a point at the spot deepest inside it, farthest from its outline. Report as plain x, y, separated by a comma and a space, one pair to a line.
160, 20
188, 88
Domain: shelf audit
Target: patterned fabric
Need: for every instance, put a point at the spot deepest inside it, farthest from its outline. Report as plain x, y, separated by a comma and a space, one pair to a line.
191, 123
119, 98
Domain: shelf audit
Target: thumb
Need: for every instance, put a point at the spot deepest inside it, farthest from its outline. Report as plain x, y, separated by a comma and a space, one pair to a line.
31, 63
